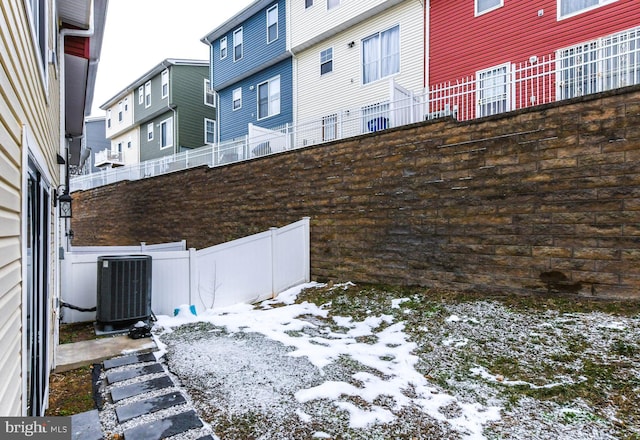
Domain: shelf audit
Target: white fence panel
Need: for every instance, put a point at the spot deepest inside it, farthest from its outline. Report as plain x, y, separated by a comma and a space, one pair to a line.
235, 272
170, 282
291, 255
247, 270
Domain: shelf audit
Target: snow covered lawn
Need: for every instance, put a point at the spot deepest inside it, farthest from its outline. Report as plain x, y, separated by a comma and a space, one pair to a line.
349, 362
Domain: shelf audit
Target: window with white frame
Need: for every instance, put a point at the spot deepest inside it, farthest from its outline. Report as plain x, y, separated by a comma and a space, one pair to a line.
120, 109
484, 6
165, 84
166, 133
269, 98
330, 127
333, 4
223, 48
150, 131
272, 24
237, 44
209, 131
209, 94
493, 90
567, 8
308, 4
381, 55
147, 94
126, 105
237, 99
119, 151
38, 16
109, 118
326, 61
140, 95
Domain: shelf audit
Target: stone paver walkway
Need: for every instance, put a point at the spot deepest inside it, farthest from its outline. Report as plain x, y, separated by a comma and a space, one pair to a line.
143, 401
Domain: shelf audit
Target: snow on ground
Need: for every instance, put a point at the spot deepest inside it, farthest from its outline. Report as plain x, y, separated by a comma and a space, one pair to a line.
294, 370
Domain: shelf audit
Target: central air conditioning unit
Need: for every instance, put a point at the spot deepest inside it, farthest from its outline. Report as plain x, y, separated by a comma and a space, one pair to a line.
124, 291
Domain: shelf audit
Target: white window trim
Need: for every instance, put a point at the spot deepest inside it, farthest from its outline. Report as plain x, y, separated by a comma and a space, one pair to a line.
149, 131
334, 7
269, 81
205, 129
169, 145
120, 112
147, 92
321, 62
140, 95
233, 100
236, 32
379, 34
600, 4
486, 11
36, 36
165, 82
277, 23
223, 42
207, 88
509, 87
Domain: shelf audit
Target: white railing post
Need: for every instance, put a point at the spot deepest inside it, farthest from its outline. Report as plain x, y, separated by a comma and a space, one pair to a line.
307, 248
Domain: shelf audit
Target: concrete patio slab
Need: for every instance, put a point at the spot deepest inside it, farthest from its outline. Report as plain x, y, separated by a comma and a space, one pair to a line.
86, 426
80, 354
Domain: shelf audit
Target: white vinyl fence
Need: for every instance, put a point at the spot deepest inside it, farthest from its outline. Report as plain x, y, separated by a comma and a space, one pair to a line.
246, 270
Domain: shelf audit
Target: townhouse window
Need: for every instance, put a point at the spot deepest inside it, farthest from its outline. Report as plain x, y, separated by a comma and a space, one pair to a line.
165, 84
223, 48
484, 6
119, 148
147, 94
37, 14
237, 44
166, 133
567, 8
209, 131
326, 61
272, 24
381, 55
209, 94
493, 90
109, 118
150, 131
140, 95
330, 127
126, 105
308, 3
237, 99
269, 98
120, 108
333, 4
129, 144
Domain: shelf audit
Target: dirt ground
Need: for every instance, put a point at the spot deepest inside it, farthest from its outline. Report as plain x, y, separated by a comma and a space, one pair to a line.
71, 392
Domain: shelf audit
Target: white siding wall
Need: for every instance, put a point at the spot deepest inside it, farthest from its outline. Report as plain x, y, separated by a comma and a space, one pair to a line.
308, 24
131, 155
318, 95
117, 127
30, 98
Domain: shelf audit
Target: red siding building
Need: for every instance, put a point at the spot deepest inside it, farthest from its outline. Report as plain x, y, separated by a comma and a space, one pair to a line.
532, 51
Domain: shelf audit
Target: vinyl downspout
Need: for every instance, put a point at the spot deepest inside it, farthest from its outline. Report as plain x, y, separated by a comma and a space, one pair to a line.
64, 169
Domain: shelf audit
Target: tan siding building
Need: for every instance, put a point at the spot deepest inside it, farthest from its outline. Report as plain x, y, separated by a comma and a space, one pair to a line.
38, 110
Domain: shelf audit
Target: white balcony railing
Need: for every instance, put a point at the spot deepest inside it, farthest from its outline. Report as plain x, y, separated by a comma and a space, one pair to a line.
594, 66
108, 157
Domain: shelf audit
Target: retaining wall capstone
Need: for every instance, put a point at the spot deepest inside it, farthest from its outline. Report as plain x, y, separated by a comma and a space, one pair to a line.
545, 199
